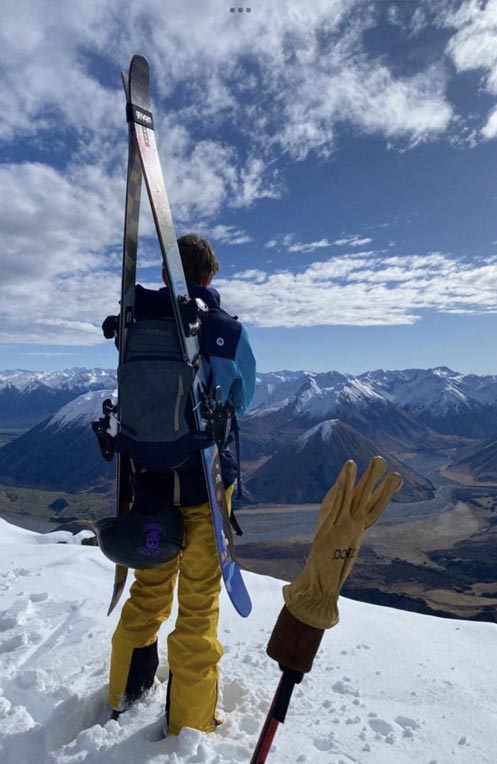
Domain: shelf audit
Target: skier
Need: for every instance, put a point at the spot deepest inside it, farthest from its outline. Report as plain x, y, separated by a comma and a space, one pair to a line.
193, 647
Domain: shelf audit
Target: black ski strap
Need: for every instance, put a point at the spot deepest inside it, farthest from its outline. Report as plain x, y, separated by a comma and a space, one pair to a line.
236, 430
234, 524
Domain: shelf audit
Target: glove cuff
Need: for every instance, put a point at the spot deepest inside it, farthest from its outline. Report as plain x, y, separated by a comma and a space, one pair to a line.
311, 608
294, 644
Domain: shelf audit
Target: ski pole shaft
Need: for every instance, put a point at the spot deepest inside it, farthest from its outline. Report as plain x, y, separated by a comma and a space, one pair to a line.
276, 714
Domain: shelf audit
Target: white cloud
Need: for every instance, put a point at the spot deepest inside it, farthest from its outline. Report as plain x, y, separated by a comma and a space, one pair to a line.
307, 68
309, 246
53, 224
254, 275
58, 268
44, 49
418, 21
290, 243
363, 291
353, 241
474, 46
228, 234
489, 130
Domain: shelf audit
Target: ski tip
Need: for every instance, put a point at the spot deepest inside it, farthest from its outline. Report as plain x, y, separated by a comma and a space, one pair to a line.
139, 60
242, 603
245, 611
139, 67
139, 82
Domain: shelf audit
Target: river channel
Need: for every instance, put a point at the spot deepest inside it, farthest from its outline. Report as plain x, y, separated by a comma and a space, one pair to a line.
286, 522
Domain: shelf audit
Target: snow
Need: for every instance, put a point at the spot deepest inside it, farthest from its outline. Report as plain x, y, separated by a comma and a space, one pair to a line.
324, 430
270, 408
387, 687
439, 390
67, 379
319, 402
81, 410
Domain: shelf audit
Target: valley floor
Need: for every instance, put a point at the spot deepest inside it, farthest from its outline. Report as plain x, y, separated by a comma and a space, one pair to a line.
437, 556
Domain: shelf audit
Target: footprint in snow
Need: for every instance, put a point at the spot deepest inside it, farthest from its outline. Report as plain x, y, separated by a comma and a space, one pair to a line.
250, 725
408, 725
235, 695
233, 752
14, 643
7, 623
69, 720
382, 729
18, 613
20, 572
343, 688
326, 744
39, 597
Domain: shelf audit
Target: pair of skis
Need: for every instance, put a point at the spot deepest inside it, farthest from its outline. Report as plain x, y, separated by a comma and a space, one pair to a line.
144, 164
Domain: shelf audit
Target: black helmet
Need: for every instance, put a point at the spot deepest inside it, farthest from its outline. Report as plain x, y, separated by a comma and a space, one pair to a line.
141, 540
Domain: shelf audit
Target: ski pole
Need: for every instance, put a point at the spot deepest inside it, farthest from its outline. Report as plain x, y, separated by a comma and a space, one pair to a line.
276, 714
311, 601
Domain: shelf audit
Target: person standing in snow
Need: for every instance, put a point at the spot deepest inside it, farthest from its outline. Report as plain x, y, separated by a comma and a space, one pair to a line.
193, 647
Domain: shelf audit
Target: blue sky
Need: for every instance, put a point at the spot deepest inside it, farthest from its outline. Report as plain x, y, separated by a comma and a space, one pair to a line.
341, 157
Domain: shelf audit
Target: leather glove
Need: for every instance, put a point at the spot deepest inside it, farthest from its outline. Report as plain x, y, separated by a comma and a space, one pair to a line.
311, 601
346, 512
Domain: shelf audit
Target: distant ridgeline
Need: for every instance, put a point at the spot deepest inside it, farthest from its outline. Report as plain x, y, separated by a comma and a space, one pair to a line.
29, 397
301, 428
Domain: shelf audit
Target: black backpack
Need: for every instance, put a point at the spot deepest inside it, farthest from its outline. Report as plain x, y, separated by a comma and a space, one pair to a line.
155, 415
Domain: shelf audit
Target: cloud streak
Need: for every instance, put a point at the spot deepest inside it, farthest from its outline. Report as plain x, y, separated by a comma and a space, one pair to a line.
473, 46
360, 290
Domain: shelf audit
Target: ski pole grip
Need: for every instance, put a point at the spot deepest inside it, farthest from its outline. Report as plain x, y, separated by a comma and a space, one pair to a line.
294, 644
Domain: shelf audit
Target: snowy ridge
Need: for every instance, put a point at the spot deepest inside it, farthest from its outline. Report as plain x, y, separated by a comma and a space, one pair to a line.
81, 378
279, 388
323, 429
387, 686
82, 410
418, 390
320, 401
443, 400
415, 390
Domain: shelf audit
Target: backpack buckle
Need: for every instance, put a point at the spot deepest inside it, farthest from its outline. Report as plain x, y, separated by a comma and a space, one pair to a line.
192, 311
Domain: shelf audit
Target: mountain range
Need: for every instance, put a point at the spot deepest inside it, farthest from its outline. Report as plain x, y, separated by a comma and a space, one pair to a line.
301, 428
446, 401
29, 397
60, 452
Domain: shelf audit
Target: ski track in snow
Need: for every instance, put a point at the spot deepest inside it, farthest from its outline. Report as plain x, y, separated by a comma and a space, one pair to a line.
387, 687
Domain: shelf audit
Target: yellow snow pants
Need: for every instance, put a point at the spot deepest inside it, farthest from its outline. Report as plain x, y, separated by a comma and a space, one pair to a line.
193, 647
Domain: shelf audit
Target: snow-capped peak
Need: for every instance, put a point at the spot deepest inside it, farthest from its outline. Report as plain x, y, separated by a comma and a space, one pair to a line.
66, 379
324, 430
82, 410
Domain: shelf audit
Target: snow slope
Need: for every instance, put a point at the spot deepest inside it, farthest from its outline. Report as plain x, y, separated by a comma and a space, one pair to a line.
388, 687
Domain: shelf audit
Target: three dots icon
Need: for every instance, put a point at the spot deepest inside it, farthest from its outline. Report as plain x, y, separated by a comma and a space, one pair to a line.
241, 10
